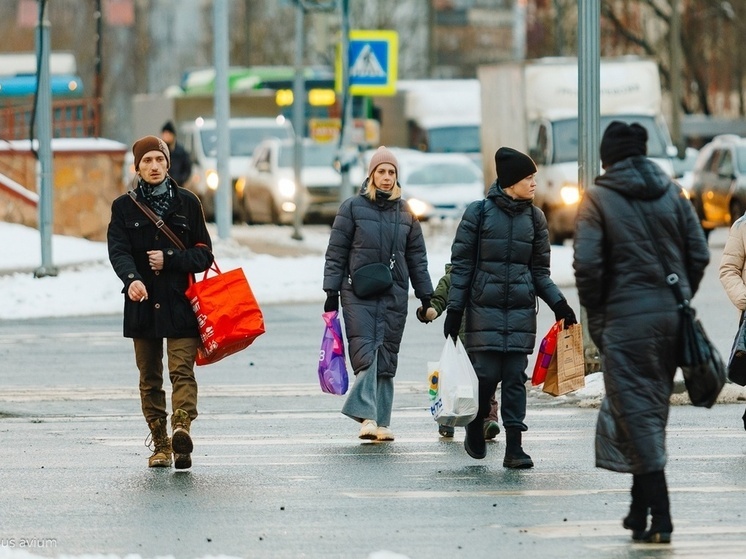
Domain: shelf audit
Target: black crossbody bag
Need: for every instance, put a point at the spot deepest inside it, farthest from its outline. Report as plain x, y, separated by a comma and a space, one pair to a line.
373, 279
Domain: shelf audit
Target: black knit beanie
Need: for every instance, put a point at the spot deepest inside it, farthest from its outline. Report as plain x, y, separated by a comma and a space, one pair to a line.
512, 166
622, 140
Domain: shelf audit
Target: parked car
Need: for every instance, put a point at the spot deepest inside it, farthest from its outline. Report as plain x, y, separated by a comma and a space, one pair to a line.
269, 194
437, 185
200, 140
718, 189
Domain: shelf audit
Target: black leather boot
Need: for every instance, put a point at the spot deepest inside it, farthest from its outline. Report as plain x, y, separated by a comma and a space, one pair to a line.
660, 509
474, 441
637, 519
514, 456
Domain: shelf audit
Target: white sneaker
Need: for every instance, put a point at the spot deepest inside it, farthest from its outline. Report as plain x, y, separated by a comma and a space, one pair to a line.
368, 430
384, 434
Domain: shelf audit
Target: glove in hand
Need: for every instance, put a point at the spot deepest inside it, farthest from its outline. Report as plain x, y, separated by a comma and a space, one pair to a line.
332, 301
563, 311
452, 324
422, 314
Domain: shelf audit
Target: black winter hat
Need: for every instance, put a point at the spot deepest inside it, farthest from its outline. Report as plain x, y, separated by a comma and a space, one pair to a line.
169, 127
512, 166
622, 140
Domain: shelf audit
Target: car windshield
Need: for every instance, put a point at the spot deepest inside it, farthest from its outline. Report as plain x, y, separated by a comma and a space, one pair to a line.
243, 140
566, 136
454, 139
442, 174
314, 155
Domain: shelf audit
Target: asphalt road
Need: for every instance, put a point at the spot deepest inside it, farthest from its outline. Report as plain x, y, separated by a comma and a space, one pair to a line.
279, 472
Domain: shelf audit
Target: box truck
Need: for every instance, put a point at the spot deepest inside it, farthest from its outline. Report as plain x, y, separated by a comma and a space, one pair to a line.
532, 106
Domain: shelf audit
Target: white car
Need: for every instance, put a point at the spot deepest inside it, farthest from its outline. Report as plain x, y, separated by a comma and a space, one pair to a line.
439, 185
200, 140
269, 194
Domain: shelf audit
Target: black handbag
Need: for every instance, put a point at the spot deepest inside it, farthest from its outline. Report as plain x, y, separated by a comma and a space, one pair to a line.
373, 279
700, 362
737, 360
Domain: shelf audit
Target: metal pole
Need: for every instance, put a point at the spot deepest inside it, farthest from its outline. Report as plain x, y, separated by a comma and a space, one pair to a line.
45, 175
98, 83
224, 194
675, 45
345, 190
589, 125
519, 30
299, 99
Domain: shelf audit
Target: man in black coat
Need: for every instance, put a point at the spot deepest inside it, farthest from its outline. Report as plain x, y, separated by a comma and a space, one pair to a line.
500, 264
181, 162
155, 274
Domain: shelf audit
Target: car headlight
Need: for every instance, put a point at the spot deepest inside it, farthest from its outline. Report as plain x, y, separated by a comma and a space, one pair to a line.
287, 188
240, 186
212, 179
418, 207
570, 194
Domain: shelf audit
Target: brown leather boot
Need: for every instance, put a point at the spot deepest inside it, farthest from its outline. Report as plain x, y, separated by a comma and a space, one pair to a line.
180, 440
161, 457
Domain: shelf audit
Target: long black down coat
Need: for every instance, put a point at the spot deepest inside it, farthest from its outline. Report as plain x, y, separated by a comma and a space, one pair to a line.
632, 312
498, 282
362, 234
167, 312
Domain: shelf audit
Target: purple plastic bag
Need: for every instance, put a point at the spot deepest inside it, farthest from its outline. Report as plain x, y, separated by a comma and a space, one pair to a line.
332, 366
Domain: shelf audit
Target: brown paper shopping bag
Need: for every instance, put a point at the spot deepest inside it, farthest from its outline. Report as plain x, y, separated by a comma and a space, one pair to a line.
567, 370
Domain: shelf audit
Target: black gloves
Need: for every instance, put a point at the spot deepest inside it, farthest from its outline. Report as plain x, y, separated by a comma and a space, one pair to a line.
452, 324
563, 311
422, 311
332, 301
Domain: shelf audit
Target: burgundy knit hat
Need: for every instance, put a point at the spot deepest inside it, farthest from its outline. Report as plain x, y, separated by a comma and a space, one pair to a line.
150, 143
383, 155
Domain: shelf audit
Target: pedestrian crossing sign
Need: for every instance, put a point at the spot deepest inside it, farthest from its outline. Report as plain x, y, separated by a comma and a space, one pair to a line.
373, 57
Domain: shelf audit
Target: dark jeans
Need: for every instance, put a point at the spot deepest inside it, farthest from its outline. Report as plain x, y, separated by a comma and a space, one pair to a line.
493, 368
149, 358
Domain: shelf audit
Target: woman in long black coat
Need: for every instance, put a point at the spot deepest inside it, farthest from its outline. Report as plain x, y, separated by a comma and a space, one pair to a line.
364, 232
632, 312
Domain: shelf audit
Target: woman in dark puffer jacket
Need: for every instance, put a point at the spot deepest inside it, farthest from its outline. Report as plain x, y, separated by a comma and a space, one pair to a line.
632, 312
363, 232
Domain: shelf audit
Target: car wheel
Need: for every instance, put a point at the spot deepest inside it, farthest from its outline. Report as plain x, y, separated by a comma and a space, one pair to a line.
736, 210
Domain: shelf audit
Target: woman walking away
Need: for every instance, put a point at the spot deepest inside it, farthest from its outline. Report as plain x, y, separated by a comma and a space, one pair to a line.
633, 316
733, 269
375, 227
500, 264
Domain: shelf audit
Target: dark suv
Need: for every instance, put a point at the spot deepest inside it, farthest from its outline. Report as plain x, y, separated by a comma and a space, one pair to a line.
718, 189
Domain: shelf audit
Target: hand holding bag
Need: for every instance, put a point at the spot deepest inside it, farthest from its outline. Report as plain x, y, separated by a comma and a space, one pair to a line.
454, 387
228, 316
332, 366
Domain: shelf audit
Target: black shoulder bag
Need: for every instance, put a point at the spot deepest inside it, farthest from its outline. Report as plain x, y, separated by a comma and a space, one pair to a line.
700, 362
373, 279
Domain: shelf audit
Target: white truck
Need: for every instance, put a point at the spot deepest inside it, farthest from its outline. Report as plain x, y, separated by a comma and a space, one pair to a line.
436, 116
532, 106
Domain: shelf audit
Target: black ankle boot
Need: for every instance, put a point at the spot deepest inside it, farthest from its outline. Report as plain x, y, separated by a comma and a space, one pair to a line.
474, 441
514, 456
660, 509
637, 519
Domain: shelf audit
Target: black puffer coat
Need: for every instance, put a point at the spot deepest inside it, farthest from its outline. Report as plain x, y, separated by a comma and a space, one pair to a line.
362, 234
632, 312
167, 312
499, 293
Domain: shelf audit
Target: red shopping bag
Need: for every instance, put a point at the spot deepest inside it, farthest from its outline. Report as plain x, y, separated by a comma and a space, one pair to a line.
547, 349
228, 315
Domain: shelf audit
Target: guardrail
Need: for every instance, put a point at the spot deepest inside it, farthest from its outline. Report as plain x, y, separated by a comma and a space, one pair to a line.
71, 118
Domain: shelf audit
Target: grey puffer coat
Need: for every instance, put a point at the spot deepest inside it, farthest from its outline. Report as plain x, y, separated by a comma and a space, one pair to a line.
632, 312
498, 292
362, 234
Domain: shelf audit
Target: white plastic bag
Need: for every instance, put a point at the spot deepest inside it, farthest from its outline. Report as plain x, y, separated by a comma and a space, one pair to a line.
454, 387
